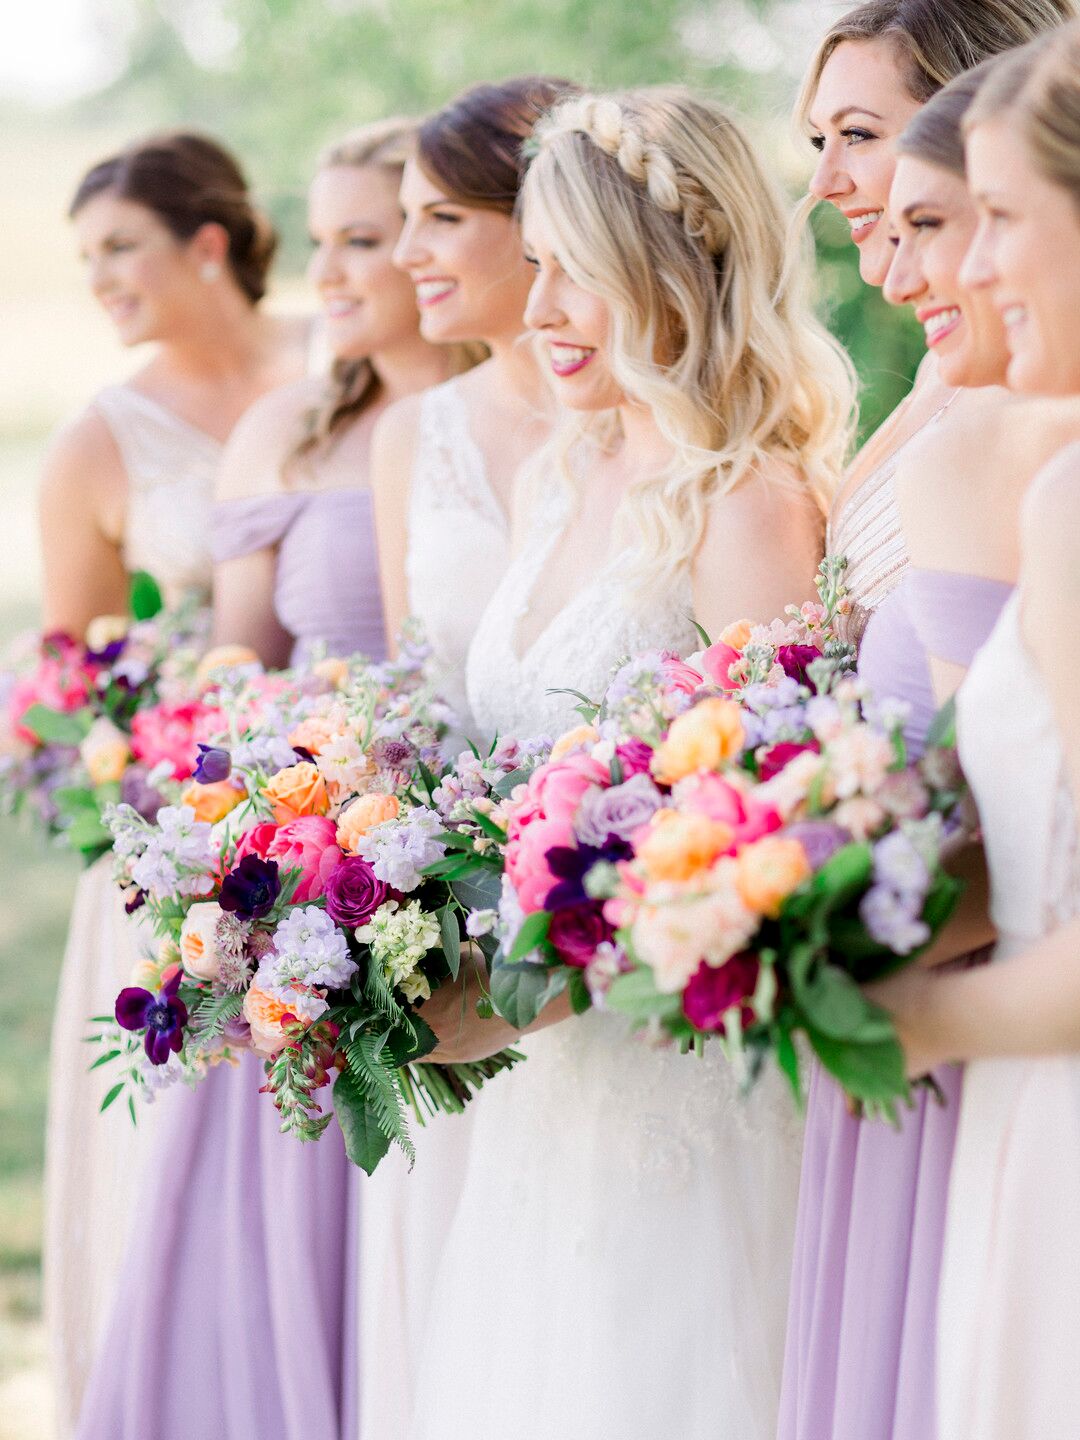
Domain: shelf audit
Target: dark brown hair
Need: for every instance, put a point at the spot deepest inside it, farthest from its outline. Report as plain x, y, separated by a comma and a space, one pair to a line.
188, 181
472, 146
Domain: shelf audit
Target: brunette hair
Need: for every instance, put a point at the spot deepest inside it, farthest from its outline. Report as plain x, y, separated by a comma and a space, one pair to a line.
189, 180
936, 133
937, 39
473, 146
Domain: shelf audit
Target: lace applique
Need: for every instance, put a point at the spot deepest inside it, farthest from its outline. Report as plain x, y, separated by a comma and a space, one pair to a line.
450, 472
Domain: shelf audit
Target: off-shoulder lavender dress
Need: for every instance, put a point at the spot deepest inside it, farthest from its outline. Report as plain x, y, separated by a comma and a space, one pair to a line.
236, 1316
860, 1357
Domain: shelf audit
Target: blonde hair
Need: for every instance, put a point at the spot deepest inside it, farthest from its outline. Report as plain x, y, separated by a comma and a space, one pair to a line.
936, 40
353, 384
657, 204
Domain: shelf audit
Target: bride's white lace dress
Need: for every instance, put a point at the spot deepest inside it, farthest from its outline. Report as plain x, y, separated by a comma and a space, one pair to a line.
90, 1159
618, 1264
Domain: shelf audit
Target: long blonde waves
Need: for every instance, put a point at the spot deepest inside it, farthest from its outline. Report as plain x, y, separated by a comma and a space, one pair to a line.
658, 204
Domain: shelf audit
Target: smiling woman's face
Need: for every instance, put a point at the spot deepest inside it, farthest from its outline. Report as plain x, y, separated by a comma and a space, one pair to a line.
860, 107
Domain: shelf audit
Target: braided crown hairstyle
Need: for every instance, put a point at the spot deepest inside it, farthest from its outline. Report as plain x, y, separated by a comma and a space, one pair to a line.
655, 201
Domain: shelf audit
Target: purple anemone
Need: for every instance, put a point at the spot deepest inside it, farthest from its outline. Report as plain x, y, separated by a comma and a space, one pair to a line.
213, 765
162, 1016
250, 890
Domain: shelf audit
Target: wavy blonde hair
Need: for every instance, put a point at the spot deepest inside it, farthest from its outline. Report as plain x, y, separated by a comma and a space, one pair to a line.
657, 203
353, 384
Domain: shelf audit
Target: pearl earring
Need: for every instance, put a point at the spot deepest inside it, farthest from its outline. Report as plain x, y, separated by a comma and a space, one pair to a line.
209, 271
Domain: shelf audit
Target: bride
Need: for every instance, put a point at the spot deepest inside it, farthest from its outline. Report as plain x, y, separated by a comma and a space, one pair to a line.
619, 1259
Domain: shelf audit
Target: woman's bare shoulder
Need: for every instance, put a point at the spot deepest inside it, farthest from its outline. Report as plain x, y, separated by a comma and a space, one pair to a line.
263, 439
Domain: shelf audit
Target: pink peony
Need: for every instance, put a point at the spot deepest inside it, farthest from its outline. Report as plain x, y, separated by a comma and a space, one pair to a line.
526, 859
308, 844
172, 732
62, 680
677, 676
542, 819
713, 990
717, 798
718, 660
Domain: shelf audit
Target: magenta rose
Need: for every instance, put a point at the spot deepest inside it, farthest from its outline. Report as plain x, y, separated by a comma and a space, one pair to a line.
795, 660
717, 798
577, 931
714, 989
773, 759
353, 892
635, 757
307, 844
172, 733
717, 661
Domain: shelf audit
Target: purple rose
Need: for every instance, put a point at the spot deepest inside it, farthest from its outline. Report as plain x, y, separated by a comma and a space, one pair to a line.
714, 989
577, 931
795, 660
617, 812
635, 756
353, 892
819, 838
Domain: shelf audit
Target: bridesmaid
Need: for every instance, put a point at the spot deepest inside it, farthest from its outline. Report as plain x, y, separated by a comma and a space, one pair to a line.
442, 472
1010, 1321
178, 256
271, 1221
860, 1347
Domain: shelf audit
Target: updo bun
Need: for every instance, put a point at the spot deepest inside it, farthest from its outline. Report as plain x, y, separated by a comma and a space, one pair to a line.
189, 180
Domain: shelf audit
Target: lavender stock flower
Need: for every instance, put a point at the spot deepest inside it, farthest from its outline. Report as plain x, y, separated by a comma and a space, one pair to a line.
892, 919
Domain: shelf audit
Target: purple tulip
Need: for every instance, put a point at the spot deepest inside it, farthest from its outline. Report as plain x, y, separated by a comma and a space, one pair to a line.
162, 1016
250, 890
353, 893
213, 765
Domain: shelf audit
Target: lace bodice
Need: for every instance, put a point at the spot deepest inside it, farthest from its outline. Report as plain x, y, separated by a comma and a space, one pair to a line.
459, 538
171, 467
577, 650
1013, 760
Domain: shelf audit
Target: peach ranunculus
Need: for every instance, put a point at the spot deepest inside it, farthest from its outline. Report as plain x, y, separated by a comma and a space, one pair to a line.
315, 732
737, 634
105, 752
198, 940
359, 817
295, 791
223, 657
576, 739
702, 738
677, 846
333, 671
768, 871
265, 1012
213, 802
673, 938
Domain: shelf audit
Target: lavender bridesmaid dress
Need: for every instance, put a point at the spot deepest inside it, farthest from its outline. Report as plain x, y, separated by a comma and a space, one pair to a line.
859, 1363
236, 1312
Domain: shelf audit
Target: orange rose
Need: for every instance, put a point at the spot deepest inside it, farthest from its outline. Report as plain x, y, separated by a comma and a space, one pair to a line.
737, 635
224, 657
575, 739
677, 845
295, 791
212, 802
361, 815
700, 739
265, 1013
768, 871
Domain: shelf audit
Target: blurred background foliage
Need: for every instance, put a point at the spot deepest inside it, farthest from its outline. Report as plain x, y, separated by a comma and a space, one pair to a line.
278, 79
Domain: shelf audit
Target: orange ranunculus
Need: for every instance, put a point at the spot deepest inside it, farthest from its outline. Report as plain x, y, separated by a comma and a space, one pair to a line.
213, 802
768, 871
224, 657
678, 845
702, 738
737, 635
575, 739
314, 733
364, 812
295, 791
333, 671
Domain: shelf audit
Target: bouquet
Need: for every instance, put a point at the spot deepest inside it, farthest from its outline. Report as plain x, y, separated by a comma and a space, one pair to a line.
296, 918
89, 724
728, 848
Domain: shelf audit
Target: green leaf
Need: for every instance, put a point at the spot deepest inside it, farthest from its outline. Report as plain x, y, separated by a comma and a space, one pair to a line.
834, 1005
505, 787
104, 1059
703, 634
53, 727
144, 595
86, 832
533, 933
867, 1072
635, 994
488, 826
451, 938
519, 992
365, 1141
480, 890
406, 1046
70, 799
111, 1096
580, 999
787, 1057
843, 878
941, 734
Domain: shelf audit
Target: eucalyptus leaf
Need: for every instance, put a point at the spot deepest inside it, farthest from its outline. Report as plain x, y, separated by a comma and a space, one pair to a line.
479, 891
834, 1005
533, 933
451, 938
519, 992
941, 734
635, 994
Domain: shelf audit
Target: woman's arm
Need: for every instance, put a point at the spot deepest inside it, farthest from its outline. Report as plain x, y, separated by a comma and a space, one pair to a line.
393, 453
81, 511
